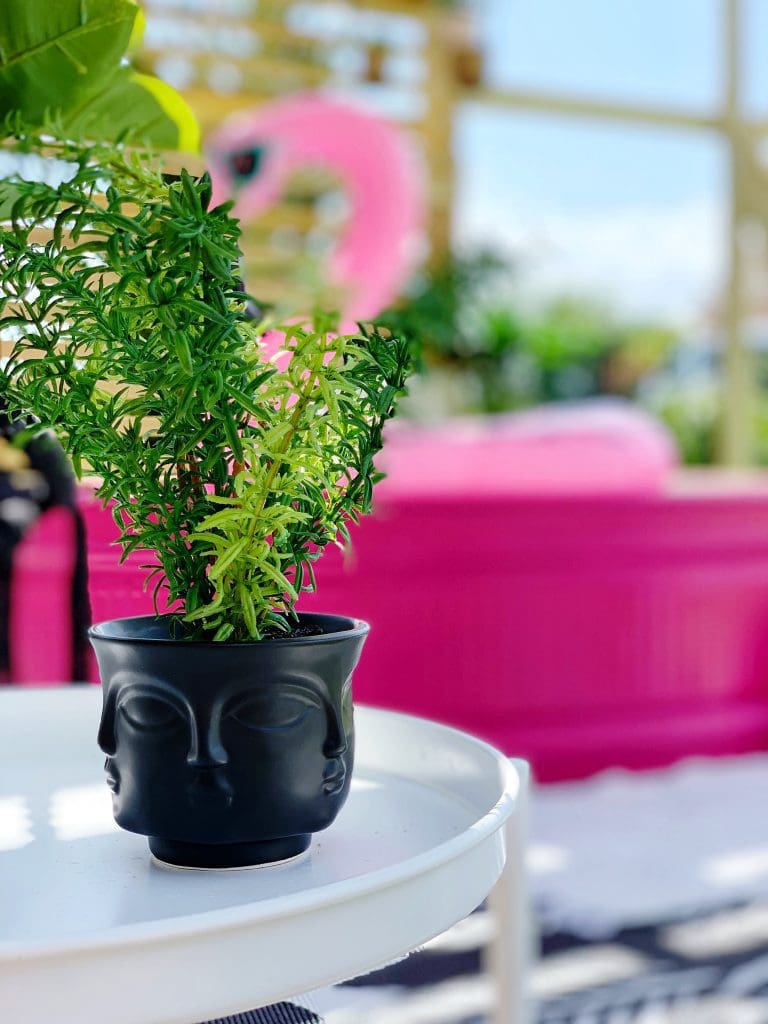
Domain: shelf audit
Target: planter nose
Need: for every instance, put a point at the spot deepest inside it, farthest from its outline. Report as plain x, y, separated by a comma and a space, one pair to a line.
206, 750
207, 758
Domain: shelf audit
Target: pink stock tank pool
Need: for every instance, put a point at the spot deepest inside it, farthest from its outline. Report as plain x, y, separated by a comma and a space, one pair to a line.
580, 633
617, 618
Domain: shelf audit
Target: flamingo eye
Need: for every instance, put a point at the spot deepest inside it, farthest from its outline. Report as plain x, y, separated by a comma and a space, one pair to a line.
246, 164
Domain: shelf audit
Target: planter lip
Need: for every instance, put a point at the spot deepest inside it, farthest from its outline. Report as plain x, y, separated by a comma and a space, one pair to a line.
101, 631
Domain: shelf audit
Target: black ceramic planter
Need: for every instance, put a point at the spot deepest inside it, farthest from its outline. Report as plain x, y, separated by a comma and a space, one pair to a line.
227, 755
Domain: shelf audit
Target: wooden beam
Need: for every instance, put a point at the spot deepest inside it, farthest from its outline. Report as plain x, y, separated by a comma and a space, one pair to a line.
559, 104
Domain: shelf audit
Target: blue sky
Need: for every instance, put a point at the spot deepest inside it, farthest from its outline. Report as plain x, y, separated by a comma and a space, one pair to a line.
638, 49
633, 212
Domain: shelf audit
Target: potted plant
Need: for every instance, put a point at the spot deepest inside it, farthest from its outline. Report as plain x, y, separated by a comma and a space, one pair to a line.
227, 723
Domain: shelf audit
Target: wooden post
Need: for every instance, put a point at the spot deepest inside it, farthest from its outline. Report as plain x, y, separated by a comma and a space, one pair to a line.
438, 131
737, 442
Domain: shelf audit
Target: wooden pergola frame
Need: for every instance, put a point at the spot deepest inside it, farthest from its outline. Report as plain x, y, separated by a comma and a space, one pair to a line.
443, 90
747, 202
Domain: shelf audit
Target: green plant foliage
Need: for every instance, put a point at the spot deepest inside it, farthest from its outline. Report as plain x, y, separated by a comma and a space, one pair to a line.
437, 315
65, 59
465, 325
130, 337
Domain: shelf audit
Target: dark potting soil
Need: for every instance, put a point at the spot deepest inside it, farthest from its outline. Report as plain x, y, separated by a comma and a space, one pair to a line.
297, 631
178, 632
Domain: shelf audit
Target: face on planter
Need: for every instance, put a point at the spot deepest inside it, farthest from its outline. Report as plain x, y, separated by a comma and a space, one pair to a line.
252, 762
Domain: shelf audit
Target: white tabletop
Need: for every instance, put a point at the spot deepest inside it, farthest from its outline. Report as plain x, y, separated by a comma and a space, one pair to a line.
91, 928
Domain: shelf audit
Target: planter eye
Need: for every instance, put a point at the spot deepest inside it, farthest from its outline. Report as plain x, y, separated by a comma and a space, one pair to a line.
150, 713
283, 712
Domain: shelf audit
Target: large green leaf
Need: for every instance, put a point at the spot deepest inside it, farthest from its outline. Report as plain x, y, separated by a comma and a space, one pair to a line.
137, 108
65, 59
56, 53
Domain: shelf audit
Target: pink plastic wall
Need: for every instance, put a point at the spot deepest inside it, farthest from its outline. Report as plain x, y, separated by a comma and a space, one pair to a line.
116, 590
580, 633
40, 625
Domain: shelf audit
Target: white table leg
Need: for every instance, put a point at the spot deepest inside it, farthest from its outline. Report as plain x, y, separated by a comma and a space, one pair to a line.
508, 956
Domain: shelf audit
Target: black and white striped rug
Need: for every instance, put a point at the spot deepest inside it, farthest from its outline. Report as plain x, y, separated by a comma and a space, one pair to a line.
710, 969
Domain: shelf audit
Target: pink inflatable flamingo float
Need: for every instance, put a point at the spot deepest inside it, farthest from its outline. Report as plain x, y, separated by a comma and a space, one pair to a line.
253, 155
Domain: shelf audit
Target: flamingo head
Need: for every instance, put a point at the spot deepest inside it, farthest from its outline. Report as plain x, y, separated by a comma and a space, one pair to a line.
252, 157
249, 171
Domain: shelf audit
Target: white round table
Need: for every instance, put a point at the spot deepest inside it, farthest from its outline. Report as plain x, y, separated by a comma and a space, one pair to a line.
93, 929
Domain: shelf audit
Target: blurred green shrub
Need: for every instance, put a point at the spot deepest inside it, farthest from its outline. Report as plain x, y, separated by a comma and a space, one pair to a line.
478, 351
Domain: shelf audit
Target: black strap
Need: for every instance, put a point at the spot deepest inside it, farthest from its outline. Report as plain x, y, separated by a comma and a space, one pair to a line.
80, 602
